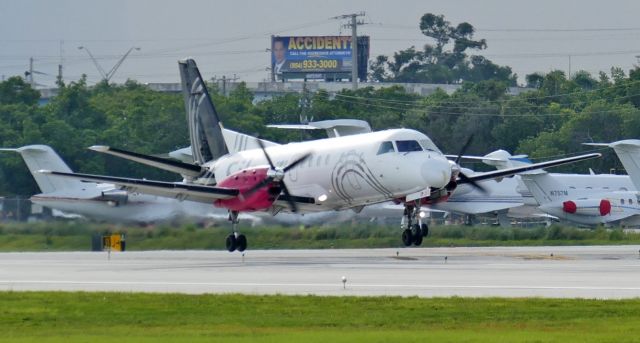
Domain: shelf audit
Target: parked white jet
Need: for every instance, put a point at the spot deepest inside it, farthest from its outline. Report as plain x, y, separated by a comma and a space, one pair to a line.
349, 172
103, 201
585, 199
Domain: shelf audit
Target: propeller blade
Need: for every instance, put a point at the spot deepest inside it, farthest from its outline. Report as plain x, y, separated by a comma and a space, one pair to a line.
464, 148
296, 162
292, 204
259, 185
264, 151
471, 182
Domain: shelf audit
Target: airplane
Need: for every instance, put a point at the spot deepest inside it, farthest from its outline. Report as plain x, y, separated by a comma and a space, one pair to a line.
585, 199
104, 201
346, 172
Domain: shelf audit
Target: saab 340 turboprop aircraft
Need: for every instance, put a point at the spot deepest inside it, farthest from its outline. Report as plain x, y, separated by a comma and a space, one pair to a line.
348, 172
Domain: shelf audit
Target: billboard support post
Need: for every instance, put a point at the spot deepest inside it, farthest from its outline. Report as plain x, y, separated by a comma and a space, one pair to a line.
354, 52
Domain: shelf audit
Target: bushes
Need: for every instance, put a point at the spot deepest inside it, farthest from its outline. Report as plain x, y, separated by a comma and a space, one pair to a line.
76, 235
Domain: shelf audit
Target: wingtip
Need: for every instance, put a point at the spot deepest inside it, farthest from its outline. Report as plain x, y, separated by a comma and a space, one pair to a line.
99, 148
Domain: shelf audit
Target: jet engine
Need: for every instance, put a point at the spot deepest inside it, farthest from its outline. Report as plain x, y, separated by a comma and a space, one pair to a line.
115, 197
589, 207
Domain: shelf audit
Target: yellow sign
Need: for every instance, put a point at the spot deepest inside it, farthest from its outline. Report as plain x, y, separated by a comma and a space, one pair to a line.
113, 242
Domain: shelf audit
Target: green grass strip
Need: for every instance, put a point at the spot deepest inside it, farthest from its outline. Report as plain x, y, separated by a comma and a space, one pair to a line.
138, 317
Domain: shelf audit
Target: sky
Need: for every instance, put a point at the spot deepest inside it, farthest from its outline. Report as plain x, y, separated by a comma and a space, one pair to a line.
231, 37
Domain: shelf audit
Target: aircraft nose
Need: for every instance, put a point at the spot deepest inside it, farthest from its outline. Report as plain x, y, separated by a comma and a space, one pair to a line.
436, 172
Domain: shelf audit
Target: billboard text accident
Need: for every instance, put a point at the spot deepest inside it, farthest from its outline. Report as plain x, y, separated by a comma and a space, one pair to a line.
326, 57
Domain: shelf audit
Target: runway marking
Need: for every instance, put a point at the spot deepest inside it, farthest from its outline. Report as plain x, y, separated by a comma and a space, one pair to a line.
337, 284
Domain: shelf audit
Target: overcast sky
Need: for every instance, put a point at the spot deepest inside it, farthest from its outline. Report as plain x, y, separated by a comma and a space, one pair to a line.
230, 37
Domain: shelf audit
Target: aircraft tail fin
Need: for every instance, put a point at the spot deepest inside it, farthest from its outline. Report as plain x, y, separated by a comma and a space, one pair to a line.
38, 157
628, 152
545, 188
205, 127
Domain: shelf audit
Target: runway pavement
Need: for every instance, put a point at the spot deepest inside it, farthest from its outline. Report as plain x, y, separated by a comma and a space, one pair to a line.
588, 272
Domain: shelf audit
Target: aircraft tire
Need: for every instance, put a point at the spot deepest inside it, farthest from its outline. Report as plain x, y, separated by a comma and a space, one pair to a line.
425, 230
241, 243
417, 235
231, 243
407, 237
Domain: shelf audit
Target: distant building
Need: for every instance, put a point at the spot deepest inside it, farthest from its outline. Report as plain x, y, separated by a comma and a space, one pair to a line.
268, 90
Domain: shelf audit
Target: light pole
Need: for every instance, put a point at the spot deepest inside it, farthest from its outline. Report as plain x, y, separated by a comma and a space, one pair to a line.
106, 76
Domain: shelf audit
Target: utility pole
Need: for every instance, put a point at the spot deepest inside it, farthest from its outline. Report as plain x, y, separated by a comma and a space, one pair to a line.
226, 79
33, 84
354, 43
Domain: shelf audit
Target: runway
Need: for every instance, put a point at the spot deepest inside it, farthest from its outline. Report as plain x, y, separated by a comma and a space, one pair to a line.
585, 272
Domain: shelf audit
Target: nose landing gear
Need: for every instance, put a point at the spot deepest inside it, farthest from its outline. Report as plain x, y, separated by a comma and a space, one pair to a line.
414, 230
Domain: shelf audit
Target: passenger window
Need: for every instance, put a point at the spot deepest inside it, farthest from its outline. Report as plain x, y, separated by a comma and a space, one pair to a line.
385, 147
622, 201
407, 146
630, 202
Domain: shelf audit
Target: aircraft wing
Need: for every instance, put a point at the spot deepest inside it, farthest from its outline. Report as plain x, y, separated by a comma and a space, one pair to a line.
199, 193
512, 171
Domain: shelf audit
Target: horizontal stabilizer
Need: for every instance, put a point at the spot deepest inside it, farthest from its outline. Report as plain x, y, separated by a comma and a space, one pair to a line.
182, 168
334, 128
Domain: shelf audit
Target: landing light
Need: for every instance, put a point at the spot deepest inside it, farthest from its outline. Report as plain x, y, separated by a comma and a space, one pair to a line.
422, 214
322, 198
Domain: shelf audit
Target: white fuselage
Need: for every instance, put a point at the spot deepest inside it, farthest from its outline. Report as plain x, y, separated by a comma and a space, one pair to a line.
551, 191
349, 171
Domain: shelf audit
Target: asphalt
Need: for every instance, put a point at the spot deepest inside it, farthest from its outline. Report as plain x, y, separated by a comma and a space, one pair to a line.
584, 272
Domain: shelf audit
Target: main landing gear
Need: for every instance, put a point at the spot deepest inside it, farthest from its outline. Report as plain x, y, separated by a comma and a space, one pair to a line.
235, 241
413, 229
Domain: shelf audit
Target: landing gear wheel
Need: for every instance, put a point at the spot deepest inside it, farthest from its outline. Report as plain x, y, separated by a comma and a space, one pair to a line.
425, 230
417, 235
407, 237
232, 243
241, 242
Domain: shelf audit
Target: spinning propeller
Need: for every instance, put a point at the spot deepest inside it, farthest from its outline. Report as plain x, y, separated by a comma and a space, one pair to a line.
461, 175
276, 175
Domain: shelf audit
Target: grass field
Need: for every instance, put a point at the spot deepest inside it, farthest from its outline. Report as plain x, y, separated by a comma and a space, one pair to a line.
135, 317
61, 236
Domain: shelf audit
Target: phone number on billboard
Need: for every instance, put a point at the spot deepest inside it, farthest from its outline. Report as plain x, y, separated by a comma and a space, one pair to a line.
315, 64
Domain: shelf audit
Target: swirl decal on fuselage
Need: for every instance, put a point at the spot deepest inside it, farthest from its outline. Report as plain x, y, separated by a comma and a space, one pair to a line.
350, 169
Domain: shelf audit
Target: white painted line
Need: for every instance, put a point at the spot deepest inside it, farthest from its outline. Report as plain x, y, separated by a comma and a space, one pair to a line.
337, 284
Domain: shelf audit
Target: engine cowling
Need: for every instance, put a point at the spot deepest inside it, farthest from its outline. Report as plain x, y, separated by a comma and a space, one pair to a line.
589, 207
115, 198
245, 180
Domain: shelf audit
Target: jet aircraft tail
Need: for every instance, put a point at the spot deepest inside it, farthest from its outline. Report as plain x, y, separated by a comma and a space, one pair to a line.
545, 188
38, 157
628, 152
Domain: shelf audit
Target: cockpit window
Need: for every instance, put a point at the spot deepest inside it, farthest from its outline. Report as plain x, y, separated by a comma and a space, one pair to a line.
407, 146
428, 145
385, 147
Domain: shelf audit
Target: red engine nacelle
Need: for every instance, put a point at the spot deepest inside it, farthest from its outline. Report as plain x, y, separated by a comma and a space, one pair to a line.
591, 207
244, 180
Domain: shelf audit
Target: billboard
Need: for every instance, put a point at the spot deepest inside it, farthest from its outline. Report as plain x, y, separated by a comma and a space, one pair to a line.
301, 56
